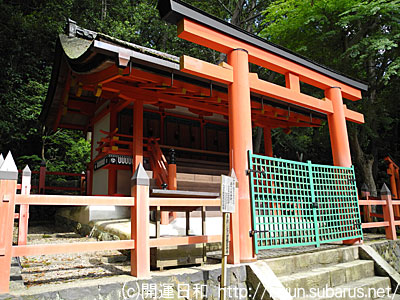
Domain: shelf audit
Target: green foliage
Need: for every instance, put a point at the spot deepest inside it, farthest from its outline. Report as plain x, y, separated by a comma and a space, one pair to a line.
71, 147
359, 38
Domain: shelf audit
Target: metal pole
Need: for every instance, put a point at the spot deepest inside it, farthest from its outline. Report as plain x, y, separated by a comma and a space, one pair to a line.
225, 253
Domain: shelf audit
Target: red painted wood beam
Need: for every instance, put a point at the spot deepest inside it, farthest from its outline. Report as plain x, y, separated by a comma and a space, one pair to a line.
46, 249
101, 77
73, 200
269, 89
184, 240
210, 38
206, 70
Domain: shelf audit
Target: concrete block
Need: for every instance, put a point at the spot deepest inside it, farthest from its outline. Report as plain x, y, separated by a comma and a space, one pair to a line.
360, 289
358, 269
108, 212
338, 276
282, 265
260, 275
86, 293
329, 257
306, 280
382, 267
111, 291
349, 254
306, 261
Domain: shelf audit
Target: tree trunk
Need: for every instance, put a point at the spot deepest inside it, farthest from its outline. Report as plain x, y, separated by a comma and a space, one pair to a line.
257, 142
364, 162
43, 141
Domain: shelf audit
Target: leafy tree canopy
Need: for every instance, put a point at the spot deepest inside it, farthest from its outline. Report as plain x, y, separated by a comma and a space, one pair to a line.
361, 39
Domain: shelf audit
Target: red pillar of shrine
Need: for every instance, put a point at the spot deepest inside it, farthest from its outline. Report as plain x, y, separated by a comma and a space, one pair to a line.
338, 129
338, 134
240, 143
137, 134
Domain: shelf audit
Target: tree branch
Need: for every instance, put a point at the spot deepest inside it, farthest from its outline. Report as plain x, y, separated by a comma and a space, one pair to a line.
251, 18
223, 5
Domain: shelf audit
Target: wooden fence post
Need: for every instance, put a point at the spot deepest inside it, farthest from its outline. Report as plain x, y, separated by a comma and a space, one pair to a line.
140, 256
166, 216
8, 187
83, 183
397, 179
172, 181
367, 208
42, 177
388, 213
24, 209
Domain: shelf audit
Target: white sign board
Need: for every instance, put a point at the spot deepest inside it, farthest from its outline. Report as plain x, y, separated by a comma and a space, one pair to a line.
228, 185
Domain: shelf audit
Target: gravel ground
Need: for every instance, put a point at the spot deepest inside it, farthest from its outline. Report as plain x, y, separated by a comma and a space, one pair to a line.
61, 268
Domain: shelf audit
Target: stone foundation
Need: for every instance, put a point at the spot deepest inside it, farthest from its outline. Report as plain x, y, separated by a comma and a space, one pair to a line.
390, 251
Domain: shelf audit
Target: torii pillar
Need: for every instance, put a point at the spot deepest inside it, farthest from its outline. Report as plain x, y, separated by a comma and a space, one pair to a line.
240, 143
338, 129
338, 134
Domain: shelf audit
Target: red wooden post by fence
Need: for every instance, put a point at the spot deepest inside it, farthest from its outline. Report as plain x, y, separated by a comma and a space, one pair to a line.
365, 194
388, 213
8, 187
167, 216
42, 177
140, 256
83, 183
172, 181
24, 208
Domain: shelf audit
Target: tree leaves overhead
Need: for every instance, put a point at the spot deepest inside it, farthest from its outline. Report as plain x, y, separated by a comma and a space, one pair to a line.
360, 39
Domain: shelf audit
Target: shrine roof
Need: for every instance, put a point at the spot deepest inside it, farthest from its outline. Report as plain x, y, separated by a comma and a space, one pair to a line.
89, 58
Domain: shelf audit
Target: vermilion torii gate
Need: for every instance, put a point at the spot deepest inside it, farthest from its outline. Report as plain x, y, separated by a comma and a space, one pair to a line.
241, 49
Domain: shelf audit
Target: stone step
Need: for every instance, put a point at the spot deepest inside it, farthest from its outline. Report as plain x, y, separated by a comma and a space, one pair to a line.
366, 288
296, 263
330, 276
390, 297
16, 281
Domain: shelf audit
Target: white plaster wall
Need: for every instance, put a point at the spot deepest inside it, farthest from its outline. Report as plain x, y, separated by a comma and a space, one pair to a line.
100, 182
100, 187
124, 182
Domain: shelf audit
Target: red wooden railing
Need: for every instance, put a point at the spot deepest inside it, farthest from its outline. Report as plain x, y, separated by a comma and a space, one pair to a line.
158, 162
161, 169
393, 172
388, 219
112, 142
43, 179
140, 203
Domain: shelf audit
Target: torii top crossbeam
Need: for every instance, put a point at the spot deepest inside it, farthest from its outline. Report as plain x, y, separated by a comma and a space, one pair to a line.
241, 48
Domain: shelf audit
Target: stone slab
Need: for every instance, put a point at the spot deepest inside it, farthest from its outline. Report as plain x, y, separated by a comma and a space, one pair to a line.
382, 267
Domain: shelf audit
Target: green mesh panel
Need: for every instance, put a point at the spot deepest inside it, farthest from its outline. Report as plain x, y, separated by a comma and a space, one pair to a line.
297, 204
338, 212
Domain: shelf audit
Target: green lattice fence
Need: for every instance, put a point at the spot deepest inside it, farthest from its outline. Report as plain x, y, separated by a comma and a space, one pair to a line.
297, 204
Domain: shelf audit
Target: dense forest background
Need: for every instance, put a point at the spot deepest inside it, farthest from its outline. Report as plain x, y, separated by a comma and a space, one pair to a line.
358, 38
